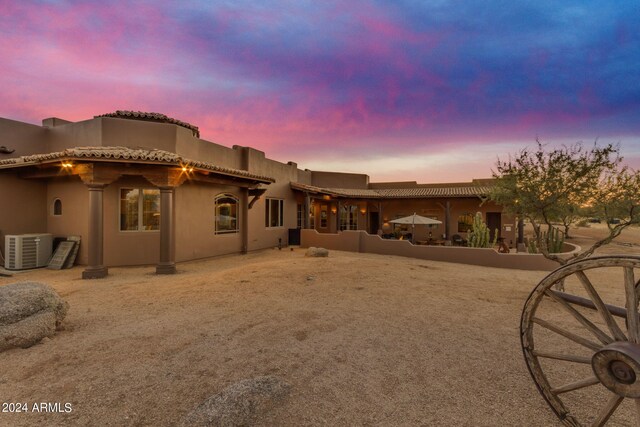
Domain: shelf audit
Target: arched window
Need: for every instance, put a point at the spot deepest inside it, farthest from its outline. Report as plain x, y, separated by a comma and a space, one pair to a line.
57, 207
226, 220
465, 223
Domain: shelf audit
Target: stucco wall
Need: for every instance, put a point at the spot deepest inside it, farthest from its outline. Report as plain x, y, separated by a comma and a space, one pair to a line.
359, 241
195, 222
126, 247
24, 138
191, 147
23, 206
261, 236
339, 180
87, 133
136, 133
304, 176
74, 220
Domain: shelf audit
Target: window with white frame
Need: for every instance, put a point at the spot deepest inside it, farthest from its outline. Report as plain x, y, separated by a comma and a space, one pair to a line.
300, 215
324, 216
274, 213
139, 209
226, 221
348, 217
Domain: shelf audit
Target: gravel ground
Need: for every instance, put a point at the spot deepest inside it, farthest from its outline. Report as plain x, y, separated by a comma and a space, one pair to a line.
361, 339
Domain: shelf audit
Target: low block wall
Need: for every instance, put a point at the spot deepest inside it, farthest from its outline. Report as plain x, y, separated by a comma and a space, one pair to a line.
361, 241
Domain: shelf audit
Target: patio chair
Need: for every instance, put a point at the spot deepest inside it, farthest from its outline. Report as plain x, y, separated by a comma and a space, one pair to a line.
457, 240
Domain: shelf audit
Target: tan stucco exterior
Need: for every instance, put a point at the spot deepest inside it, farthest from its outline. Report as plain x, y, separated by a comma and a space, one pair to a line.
30, 185
23, 208
195, 237
359, 241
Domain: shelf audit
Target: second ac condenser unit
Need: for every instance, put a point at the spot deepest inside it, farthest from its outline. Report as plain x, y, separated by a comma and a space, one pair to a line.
27, 251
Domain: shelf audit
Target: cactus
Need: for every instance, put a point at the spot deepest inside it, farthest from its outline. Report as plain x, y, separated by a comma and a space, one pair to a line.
480, 236
553, 239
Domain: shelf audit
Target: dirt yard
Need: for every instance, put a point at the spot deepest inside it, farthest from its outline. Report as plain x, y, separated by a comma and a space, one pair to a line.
362, 339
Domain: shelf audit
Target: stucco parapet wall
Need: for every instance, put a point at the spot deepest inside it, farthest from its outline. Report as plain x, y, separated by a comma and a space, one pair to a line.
125, 154
154, 117
361, 241
396, 193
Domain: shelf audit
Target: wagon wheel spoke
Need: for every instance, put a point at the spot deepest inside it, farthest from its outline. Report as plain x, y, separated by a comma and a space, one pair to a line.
576, 385
561, 356
632, 305
604, 338
602, 309
570, 335
608, 410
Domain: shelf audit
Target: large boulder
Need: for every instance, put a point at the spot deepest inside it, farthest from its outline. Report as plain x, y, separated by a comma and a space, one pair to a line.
240, 404
29, 311
317, 252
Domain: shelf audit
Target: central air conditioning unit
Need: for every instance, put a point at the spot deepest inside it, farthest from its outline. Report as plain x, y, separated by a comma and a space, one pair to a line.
27, 251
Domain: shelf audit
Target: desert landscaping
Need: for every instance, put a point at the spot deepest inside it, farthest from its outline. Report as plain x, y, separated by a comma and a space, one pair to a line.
357, 339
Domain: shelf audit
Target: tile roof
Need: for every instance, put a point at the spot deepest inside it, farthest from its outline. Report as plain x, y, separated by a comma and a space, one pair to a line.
156, 117
126, 154
397, 193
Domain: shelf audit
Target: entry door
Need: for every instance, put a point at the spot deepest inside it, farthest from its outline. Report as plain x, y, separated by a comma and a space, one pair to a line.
374, 222
493, 222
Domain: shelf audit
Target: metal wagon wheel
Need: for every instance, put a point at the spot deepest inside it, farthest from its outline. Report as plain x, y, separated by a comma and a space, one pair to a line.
581, 332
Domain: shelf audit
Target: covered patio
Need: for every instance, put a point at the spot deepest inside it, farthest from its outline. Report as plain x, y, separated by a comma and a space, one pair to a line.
154, 174
373, 210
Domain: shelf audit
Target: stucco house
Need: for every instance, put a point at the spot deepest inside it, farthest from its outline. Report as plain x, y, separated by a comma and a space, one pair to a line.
143, 188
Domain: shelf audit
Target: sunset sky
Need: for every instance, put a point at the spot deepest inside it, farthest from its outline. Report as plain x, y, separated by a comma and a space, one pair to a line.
431, 91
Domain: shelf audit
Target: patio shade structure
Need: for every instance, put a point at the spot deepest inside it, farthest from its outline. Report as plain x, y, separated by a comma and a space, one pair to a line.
414, 220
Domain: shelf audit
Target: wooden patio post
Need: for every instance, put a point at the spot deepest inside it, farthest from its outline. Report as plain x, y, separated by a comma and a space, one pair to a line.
307, 206
447, 220
520, 247
521, 230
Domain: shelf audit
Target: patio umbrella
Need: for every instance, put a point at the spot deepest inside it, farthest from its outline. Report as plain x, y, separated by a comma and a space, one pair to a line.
414, 220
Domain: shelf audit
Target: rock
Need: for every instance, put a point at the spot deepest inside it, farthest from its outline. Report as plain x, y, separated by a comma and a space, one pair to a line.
29, 311
239, 404
317, 252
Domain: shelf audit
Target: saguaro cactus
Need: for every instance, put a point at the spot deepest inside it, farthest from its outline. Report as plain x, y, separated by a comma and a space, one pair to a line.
480, 236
